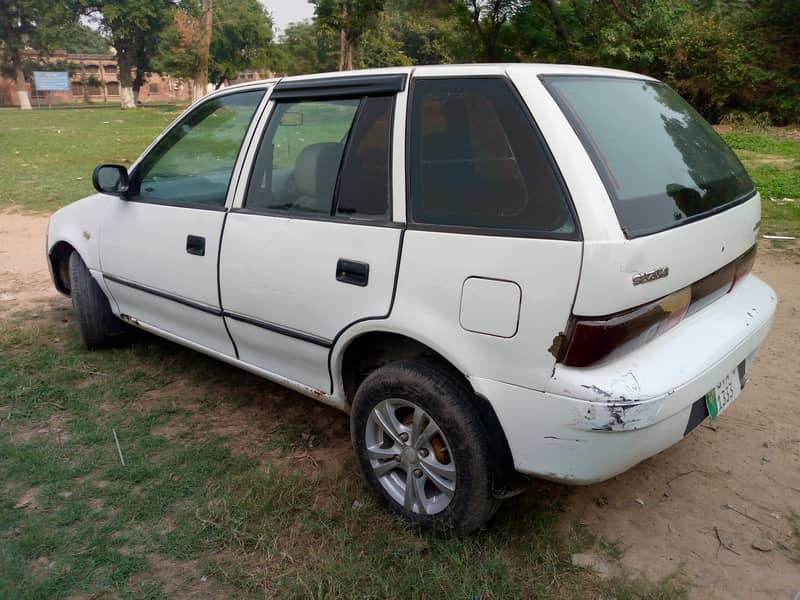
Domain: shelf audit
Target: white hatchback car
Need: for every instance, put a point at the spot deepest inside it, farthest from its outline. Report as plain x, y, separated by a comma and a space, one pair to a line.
495, 269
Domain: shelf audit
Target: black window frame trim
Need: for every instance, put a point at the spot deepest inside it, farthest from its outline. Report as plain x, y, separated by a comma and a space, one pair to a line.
599, 164
339, 87
411, 224
265, 95
332, 218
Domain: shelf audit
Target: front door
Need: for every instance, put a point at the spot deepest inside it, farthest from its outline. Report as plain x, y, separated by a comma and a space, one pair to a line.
313, 248
159, 247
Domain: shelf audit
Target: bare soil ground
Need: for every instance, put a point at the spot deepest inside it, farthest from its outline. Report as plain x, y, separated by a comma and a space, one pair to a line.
696, 509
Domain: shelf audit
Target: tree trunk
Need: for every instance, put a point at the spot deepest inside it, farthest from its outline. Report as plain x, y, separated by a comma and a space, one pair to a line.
347, 40
200, 87
558, 22
342, 48
126, 99
22, 90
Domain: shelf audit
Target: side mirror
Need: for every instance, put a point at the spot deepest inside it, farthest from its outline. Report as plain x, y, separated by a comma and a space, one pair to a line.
111, 179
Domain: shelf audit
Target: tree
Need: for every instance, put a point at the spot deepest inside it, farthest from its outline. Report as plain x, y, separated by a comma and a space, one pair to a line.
33, 24
305, 47
134, 28
77, 38
240, 39
350, 18
488, 17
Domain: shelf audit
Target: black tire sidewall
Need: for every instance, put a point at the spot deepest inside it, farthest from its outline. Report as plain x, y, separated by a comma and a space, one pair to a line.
445, 398
97, 325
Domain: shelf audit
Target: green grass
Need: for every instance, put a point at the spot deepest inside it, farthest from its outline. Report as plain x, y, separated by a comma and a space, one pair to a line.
47, 156
217, 483
774, 164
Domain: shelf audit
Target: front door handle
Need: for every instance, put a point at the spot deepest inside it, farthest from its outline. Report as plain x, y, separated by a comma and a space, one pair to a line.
352, 272
196, 245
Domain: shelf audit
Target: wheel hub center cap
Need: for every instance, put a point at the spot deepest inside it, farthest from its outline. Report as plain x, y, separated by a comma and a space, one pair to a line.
409, 455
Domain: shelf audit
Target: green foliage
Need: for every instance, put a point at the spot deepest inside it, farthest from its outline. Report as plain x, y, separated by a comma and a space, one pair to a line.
305, 48
350, 18
81, 39
134, 28
37, 24
240, 38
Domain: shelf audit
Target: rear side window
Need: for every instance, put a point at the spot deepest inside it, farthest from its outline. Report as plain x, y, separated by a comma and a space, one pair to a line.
661, 163
325, 157
298, 161
477, 161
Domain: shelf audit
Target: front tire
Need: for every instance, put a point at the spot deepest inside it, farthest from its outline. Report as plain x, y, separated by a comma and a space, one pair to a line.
97, 325
422, 448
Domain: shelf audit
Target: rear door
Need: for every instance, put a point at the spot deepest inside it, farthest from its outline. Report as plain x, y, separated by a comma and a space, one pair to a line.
312, 247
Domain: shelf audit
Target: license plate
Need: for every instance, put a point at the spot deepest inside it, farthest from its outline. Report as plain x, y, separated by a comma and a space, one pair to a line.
726, 391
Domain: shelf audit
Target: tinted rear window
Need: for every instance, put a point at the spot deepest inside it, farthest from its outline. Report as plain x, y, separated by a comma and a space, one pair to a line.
477, 161
662, 163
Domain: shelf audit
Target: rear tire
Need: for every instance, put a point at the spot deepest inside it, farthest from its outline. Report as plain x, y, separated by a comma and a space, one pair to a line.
439, 482
97, 325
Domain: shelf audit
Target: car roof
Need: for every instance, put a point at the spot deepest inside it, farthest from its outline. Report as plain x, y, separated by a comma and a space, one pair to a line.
534, 69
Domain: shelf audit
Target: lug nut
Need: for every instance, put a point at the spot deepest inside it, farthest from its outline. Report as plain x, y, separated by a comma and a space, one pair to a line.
423, 452
417, 473
404, 437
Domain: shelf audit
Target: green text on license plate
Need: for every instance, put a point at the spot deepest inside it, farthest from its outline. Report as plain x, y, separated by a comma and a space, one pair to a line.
723, 394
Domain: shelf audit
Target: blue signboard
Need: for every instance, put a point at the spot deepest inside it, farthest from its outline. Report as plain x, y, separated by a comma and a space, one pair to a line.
55, 81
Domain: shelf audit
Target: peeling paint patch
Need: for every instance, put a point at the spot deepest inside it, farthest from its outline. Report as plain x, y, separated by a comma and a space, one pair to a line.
600, 392
628, 416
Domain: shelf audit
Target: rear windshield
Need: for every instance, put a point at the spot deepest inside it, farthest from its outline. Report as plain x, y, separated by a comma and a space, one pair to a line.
662, 163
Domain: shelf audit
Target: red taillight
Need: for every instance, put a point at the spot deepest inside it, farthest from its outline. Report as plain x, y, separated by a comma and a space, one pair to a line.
593, 339
589, 340
744, 264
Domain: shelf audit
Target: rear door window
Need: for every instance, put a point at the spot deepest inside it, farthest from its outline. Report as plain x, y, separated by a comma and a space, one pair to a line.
325, 158
662, 164
477, 161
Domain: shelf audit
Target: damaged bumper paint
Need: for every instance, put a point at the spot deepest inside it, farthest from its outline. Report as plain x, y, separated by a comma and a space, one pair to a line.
595, 422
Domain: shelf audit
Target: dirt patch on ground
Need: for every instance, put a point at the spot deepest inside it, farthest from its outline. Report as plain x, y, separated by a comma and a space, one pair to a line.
29, 499
55, 431
697, 509
24, 276
182, 579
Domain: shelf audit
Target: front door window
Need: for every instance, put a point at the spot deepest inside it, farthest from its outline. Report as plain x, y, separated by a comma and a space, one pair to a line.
192, 164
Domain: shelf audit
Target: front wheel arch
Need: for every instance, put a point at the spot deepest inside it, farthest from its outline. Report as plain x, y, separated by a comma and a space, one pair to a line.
59, 266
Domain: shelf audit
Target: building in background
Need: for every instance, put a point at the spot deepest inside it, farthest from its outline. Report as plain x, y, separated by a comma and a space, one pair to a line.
94, 78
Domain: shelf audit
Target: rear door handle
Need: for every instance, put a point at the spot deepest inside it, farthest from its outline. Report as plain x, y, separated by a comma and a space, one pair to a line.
352, 272
196, 245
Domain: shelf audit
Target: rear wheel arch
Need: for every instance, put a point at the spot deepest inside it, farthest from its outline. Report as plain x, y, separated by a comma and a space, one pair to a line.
372, 350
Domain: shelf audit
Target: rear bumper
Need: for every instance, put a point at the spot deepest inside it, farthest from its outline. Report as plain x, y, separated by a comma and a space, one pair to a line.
593, 423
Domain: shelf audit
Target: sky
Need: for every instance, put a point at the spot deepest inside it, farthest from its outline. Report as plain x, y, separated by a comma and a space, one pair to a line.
288, 11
